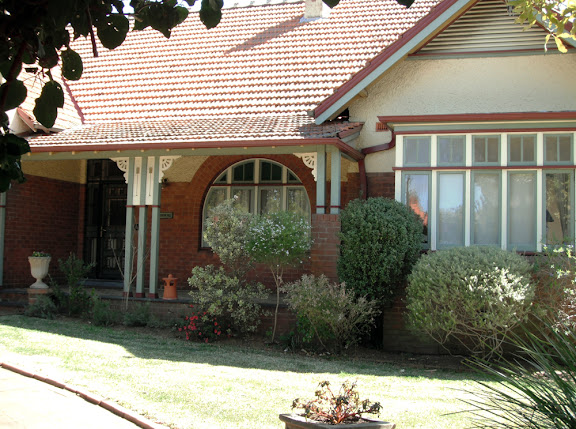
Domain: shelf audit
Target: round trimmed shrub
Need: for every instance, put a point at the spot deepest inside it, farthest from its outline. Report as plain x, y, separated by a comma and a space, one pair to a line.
381, 241
474, 295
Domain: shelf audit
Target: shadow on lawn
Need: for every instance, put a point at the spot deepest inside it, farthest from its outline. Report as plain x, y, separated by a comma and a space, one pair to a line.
166, 345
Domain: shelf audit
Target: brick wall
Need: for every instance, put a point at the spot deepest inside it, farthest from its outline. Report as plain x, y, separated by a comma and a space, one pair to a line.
325, 249
41, 215
380, 184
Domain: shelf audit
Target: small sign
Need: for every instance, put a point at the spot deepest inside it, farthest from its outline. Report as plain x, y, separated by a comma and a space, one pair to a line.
166, 215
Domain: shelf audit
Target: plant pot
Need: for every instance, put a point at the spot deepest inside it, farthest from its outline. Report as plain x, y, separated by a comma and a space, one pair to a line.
39, 269
294, 421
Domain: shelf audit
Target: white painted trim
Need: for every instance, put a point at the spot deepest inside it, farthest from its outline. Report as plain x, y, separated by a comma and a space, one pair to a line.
321, 180
335, 186
434, 150
539, 202
469, 150
504, 210
467, 207
433, 218
310, 160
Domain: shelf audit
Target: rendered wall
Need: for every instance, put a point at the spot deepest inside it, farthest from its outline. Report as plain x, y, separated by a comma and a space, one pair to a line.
534, 83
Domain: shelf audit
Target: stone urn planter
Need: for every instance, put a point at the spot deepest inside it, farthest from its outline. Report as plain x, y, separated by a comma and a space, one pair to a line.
294, 421
39, 263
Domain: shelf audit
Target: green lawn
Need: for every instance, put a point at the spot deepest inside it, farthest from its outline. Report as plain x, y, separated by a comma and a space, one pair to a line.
190, 385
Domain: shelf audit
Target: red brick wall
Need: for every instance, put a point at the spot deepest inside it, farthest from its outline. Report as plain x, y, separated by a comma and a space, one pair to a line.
41, 215
325, 249
380, 184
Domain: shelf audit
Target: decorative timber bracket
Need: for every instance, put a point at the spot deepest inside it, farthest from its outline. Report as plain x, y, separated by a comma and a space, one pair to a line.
309, 160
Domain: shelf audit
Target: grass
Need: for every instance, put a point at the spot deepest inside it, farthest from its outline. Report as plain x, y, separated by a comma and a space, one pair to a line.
191, 385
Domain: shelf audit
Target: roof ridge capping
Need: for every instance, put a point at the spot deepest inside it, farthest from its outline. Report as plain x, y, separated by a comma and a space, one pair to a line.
252, 3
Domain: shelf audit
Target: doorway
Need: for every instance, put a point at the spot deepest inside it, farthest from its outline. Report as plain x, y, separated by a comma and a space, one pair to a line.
105, 219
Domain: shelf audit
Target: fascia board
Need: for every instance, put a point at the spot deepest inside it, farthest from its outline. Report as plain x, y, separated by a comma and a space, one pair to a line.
407, 43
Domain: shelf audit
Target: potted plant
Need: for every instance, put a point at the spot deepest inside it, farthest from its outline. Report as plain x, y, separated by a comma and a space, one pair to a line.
330, 409
39, 263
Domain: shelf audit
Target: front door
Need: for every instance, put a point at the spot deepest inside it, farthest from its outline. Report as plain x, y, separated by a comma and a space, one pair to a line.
105, 219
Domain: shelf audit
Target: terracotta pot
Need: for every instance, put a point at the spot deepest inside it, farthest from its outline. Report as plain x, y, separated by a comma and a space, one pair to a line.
39, 269
294, 421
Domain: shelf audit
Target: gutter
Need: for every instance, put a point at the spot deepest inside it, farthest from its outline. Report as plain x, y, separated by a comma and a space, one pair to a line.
362, 167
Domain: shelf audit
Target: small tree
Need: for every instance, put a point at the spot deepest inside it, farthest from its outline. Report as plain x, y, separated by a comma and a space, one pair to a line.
227, 233
279, 240
381, 241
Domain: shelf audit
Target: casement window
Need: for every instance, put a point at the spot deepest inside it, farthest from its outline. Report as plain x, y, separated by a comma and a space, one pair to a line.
260, 186
512, 190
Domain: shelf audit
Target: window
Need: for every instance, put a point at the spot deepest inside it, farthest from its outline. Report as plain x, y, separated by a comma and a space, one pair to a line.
260, 186
451, 150
486, 150
522, 149
521, 200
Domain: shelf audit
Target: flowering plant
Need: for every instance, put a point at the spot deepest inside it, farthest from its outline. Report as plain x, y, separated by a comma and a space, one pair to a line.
202, 326
331, 408
37, 254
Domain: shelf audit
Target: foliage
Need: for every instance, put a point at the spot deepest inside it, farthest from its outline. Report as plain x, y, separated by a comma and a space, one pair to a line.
474, 295
138, 315
43, 308
381, 241
337, 317
102, 314
331, 408
37, 254
534, 389
558, 18
227, 234
226, 297
202, 326
556, 291
78, 301
279, 240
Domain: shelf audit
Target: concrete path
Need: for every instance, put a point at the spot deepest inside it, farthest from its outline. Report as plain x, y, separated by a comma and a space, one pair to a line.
29, 403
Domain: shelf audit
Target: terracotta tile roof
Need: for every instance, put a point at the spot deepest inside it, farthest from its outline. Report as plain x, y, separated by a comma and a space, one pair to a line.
172, 133
260, 61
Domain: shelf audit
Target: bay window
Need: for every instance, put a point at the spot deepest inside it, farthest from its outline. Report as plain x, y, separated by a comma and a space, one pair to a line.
512, 190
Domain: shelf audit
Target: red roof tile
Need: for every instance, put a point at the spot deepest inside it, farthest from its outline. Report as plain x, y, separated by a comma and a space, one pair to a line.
260, 61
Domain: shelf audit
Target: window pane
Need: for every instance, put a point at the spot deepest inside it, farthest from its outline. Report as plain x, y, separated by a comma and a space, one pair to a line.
551, 150
244, 198
564, 149
450, 209
292, 178
486, 149
417, 150
297, 201
223, 178
559, 208
244, 172
270, 200
493, 153
558, 148
522, 149
451, 150
522, 211
416, 197
486, 209
215, 196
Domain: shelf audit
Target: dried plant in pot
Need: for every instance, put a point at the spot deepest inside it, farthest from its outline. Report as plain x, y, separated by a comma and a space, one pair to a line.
331, 409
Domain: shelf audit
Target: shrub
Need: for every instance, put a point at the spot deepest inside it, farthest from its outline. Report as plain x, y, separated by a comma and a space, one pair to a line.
227, 234
43, 308
78, 301
556, 289
223, 296
279, 240
534, 389
334, 315
102, 314
474, 295
202, 326
139, 315
381, 241
341, 408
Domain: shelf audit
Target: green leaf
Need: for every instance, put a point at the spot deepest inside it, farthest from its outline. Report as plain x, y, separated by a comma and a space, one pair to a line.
16, 146
7, 65
50, 99
47, 56
112, 30
71, 65
15, 93
406, 3
331, 3
211, 12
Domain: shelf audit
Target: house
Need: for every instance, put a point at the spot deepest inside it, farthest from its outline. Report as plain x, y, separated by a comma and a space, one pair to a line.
448, 106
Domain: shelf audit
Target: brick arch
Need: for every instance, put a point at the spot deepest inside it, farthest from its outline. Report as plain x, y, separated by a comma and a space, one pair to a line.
180, 237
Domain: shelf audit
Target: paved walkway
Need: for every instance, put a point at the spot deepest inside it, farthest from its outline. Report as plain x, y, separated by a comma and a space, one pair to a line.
28, 403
